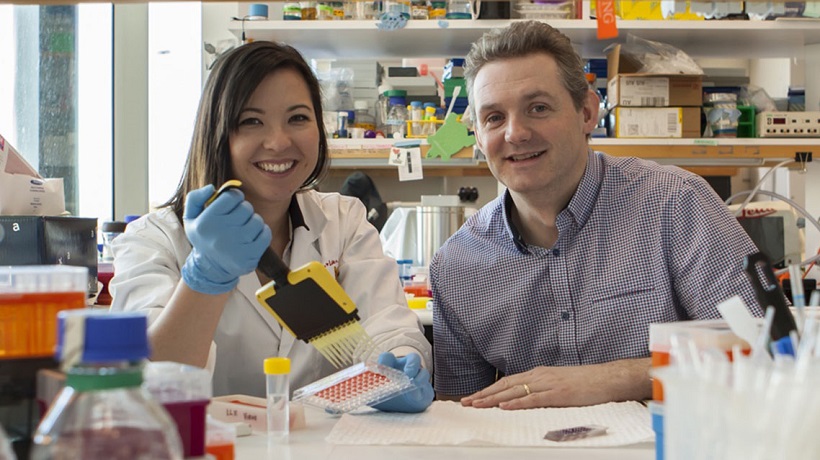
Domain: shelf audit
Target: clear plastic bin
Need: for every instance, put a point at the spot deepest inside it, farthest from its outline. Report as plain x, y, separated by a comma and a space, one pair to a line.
221, 439
545, 9
30, 298
705, 334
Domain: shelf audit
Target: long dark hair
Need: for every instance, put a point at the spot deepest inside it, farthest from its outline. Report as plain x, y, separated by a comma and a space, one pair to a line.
231, 82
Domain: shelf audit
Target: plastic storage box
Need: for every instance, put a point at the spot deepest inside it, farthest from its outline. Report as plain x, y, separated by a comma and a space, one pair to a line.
705, 334
30, 298
746, 123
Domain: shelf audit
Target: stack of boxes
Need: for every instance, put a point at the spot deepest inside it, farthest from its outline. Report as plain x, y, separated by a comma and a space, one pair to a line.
652, 105
418, 87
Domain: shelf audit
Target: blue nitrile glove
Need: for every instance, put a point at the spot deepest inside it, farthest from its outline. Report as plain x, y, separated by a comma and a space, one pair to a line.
228, 239
417, 399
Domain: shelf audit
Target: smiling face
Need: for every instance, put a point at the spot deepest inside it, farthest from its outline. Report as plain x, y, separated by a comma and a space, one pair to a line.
534, 138
276, 144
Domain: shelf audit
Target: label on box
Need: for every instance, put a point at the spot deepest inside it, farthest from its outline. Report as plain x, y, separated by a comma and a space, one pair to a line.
644, 92
240, 408
643, 122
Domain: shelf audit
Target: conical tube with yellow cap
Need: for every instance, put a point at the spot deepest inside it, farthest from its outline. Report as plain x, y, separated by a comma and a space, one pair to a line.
277, 376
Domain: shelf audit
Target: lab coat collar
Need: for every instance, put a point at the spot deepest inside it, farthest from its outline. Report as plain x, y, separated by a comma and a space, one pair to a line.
248, 285
314, 220
307, 222
295, 212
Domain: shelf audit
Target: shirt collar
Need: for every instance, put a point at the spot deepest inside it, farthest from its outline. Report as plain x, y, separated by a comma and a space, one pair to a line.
507, 206
583, 200
580, 205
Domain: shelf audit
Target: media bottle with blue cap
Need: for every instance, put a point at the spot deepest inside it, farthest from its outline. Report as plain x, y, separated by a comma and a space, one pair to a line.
103, 412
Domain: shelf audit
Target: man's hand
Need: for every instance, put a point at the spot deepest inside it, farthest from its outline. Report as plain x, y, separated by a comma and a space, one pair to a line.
571, 386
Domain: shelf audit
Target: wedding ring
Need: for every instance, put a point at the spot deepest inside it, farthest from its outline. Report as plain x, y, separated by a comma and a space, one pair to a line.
526, 388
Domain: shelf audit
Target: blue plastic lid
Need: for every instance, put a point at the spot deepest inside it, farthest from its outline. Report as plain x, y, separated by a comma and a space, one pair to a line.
117, 336
457, 62
415, 104
258, 11
429, 104
405, 261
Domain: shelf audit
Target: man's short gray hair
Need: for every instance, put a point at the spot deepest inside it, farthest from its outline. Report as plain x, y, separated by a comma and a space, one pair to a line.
523, 39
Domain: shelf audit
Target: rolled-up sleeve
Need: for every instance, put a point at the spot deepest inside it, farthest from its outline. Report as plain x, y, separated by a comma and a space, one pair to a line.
147, 266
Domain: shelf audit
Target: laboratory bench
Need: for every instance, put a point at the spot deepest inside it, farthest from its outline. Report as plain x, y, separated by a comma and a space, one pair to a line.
310, 443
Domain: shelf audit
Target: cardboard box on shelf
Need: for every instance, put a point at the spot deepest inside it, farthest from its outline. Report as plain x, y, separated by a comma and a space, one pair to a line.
23, 190
657, 122
628, 88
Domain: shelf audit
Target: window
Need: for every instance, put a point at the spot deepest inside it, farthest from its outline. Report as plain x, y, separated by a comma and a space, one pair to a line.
174, 87
56, 97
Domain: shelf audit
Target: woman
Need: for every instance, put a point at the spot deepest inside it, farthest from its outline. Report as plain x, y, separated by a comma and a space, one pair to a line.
192, 267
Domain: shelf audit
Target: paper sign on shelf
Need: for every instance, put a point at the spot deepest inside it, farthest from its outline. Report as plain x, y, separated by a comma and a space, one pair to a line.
606, 19
398, 156
411, 169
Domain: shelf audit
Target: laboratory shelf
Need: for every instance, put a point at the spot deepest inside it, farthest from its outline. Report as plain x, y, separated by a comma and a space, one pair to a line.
362, 39
724, 152
710, 152
373, 154
787, 37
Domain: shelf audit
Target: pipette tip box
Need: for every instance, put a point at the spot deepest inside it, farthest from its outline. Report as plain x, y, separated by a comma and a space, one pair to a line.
704, 333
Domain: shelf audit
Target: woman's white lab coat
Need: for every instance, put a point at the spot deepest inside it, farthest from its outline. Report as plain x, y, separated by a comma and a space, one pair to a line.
151, 252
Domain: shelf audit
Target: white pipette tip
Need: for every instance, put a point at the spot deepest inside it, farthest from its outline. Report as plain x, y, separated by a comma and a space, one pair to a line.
759, 346
814, 300
456, 92
741, 322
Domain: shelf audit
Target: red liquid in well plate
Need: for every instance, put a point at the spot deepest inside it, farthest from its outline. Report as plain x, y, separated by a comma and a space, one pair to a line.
353, 387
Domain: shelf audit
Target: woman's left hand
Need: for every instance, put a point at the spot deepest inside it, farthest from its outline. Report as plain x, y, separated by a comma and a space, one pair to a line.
420, 396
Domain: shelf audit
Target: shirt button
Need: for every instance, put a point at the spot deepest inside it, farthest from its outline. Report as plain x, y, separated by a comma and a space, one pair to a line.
556, 252
565, 315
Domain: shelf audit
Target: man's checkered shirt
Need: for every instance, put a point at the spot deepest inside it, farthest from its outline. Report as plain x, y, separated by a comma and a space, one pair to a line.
639, 243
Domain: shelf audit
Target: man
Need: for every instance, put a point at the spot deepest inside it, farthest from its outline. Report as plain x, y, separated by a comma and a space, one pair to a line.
554, 283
